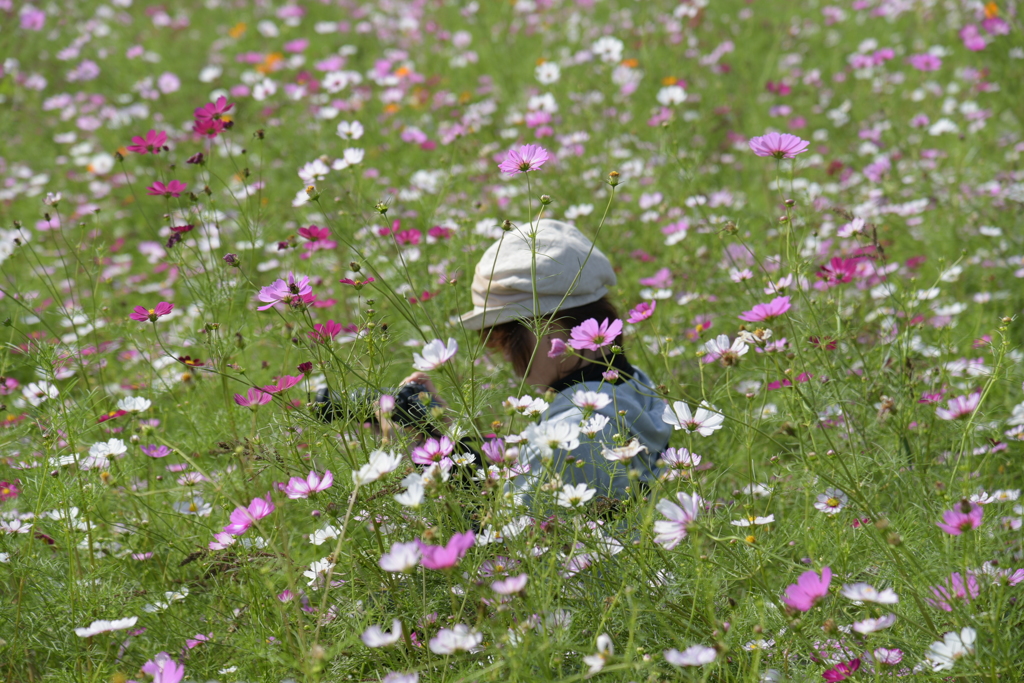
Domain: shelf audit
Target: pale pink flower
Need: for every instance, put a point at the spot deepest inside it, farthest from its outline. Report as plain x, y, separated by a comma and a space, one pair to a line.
526, 158
778, 145
959, 407
808, 590
591, 335
313, 483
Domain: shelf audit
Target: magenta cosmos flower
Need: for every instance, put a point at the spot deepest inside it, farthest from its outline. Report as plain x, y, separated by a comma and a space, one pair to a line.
763, 312
152, 143
643, 311
778, 145
446, 556
808, 589
244, 517
841, 672
959, 407
963, 517
313, 483
925, 62
954, 589
254, 397
591, 335
526, 158
149, 315
172, 189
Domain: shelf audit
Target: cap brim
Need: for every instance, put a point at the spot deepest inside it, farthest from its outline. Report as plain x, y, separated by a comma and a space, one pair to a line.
480, 317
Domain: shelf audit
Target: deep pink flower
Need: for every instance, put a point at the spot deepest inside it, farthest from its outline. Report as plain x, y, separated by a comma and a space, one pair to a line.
526, 158
293, 292
643, 311
146, 315
8, 491
444, 557
172, 189
762, 312
153, 142
963, 517
959, 407
925, 62
839, 270
592, 336
954, 589
841, 672
313, 483
197, 639
254, 397
213, 111
778, 145
808, 589
243, 518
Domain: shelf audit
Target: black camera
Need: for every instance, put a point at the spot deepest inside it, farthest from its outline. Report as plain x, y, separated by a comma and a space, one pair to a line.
413, 403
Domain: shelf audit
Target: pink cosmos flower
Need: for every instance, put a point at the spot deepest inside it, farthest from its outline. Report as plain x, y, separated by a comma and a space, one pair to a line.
891, 657
433, 450
173, 188
284, 382
156, 451
197, 640
925, 62
313, 483
163, 669
763, 312
526, 158
213, 111
8, 491
841, 672
963, 517
557, 348
292, 292
592, 336
254, 397
778, 145
146, 315
152, 143
973, 40
511, 585
808, 589
444, 557
243, 518
954, 589
961, 406
643, 311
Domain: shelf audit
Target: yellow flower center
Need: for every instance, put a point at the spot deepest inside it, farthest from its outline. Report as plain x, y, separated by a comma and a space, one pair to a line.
749, 539
832, 502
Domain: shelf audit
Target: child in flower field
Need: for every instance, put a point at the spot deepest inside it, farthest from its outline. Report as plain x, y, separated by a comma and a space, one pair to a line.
542, 302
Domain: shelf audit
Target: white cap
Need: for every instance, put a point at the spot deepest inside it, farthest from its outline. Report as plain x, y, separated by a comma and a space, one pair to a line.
571, 272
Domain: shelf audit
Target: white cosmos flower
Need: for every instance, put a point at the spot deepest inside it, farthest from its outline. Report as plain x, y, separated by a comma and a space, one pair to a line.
593, 426
350, 130
721, 348
321, 536
451, 640
574, 496
435, 354
313, 171
671, 95
413, 495
104, 626
695, 655
381, 463
547, 73
753, 521
375, 636
623, 453
605, 651
15, 526
134, 404
705, 422
595, 400
37, 392
547, 437
317, 571
864, 592
527, 405
401, 558
872, 625
943, 654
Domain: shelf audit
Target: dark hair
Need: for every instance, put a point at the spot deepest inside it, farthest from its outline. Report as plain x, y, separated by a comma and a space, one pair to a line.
513, 338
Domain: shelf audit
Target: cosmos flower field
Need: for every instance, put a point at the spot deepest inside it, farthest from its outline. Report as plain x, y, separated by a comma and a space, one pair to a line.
211, 210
